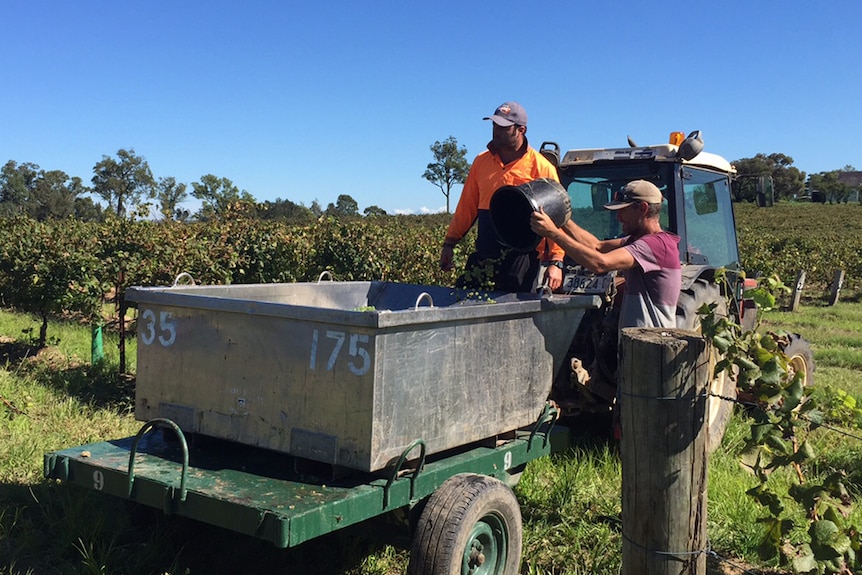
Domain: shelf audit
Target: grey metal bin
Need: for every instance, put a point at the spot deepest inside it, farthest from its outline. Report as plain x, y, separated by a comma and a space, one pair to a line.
348, 373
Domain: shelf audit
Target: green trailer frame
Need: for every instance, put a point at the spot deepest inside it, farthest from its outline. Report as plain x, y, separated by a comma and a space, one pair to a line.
270, 495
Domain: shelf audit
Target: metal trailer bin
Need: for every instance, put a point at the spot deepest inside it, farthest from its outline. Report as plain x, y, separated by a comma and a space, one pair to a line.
348, 373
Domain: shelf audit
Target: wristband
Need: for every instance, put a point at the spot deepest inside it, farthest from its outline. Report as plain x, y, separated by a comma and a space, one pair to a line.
558, 264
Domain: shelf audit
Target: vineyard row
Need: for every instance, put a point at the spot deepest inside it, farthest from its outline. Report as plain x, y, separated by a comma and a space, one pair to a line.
71, 267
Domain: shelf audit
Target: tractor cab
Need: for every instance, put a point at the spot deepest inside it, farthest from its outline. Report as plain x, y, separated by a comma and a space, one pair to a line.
695, 184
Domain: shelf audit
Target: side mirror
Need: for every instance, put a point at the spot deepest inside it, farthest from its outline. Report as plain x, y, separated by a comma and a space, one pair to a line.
691, 146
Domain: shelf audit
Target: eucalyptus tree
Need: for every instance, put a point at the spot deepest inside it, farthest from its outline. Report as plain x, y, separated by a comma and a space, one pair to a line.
17, 183
788, 181
123, 181
284, 210
344, 206
830, 187
374, 211
218, 196
449, 168
54, 195
26, 189
170, 194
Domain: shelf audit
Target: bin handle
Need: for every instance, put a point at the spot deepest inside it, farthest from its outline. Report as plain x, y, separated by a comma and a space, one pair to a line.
397, 470
424, 295
160, 422
184, 276
549, 413
324, 273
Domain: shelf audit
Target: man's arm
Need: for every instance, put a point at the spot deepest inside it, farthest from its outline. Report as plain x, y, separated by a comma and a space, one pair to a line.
462, 220
596, 255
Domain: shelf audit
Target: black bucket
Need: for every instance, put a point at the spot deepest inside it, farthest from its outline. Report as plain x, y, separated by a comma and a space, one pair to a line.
511, 207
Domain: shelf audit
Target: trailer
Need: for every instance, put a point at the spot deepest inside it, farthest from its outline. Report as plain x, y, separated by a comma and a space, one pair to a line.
289, 411
270, 496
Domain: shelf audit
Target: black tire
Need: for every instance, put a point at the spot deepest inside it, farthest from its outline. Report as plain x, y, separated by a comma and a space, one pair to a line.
470, 525
800, 356
722, 389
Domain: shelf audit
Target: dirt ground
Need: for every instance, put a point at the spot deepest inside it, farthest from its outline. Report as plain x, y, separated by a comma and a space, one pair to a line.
718, 566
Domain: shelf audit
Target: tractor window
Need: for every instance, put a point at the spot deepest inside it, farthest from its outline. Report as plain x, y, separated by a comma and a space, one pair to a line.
591, 187
710, 233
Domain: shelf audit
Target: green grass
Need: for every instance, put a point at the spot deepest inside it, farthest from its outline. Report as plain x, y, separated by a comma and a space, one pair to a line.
570, 502
835, 333
51, 398
571, 509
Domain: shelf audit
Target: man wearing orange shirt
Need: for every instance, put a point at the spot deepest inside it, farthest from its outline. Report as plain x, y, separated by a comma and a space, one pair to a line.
508, 161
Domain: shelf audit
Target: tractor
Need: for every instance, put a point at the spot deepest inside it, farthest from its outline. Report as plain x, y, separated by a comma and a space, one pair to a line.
697, 188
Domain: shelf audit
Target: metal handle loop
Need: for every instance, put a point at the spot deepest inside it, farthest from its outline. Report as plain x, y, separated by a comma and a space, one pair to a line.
397, 470
184, 276
326, 273
424, 296
160, 422
549, 413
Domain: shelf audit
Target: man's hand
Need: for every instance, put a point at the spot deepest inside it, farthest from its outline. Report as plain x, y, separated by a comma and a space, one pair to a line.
554, 277
542, 224
446, 258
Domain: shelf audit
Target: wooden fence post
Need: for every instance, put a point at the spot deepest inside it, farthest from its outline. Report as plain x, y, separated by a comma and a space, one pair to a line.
665, 374
837, 284
797, 291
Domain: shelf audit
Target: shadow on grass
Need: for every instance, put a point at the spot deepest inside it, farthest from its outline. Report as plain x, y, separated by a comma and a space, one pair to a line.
821, 299
53, 528
13, 352
100, 385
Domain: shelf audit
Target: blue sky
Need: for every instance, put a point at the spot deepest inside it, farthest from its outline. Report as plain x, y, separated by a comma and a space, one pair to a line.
306, 101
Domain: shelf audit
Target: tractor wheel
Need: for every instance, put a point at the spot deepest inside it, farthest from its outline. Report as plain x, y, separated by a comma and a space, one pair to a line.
471, 525
801, 358
722, 388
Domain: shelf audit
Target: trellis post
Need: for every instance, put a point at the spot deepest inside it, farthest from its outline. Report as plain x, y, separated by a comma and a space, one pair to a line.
663, 446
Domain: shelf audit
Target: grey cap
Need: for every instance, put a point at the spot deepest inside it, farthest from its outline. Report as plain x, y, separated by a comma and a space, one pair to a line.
509, 113
636, 191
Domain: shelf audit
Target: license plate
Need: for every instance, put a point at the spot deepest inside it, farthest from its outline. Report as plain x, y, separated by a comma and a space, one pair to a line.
582, 281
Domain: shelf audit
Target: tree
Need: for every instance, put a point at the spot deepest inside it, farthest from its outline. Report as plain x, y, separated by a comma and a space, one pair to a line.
852, 178
788, 181
88, 211
54, 195
123, 181
284, 209
450, 166
344, 206
315, 208
29, 190
219, 196
170, 195
371, 211
829, 186
16, 187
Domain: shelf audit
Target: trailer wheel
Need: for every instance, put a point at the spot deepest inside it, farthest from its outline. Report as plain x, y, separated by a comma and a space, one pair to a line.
800, 357
471, 525
722, 388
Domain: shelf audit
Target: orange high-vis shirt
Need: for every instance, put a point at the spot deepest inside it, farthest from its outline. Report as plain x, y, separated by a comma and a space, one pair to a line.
487, 175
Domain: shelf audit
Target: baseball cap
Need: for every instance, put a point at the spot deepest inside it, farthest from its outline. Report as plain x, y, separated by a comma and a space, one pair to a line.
509, 113
636, 191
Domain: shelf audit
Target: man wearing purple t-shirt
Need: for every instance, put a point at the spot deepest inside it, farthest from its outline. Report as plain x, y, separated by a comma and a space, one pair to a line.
647, 256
